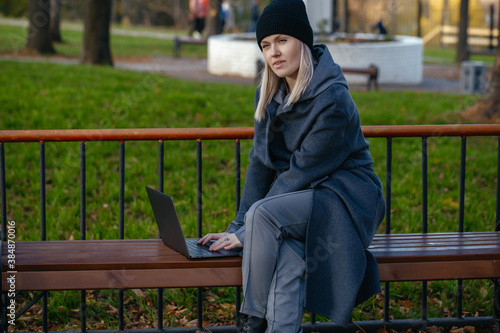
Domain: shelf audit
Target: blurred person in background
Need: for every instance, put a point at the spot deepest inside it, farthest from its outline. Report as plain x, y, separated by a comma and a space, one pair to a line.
198, 12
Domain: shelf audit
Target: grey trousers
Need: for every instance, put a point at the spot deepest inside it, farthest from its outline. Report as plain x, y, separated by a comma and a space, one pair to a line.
273, 260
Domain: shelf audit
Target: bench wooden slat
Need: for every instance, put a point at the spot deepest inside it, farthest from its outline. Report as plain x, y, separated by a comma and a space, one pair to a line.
439, 270
104, 254
147, 263
126, 279
436, 247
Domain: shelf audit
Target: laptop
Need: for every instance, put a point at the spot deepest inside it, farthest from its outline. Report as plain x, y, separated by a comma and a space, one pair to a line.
171, 232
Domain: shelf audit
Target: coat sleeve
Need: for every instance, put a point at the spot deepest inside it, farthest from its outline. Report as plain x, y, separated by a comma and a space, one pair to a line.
322, 151
257, 183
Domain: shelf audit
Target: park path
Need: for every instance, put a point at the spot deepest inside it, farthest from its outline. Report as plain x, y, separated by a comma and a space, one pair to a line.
437, 78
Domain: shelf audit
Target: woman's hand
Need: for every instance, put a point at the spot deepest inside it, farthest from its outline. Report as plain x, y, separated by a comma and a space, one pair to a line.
223, 240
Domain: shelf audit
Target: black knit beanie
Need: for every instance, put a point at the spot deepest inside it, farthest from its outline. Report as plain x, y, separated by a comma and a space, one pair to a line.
288, 17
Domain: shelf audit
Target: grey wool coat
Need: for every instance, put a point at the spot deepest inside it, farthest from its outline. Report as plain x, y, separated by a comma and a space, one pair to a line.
318, 143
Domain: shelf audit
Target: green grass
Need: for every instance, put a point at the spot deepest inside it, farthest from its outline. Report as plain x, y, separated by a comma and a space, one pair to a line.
13, 41
51, 96
447, 56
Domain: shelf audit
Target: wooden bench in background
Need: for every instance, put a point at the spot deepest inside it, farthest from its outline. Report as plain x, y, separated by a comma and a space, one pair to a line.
179, 41
371, 71
486, 52
134, 263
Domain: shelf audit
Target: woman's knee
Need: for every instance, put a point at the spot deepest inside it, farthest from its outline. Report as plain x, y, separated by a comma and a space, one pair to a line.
256, 215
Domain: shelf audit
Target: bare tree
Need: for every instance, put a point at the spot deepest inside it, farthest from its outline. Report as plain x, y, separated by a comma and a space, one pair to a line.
487, 109
96, 35
39, 27
463, 25
214, 18
55, 20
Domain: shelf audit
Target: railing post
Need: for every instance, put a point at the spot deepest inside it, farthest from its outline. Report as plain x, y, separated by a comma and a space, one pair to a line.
83, 191
43, 222
388, 184
461, 215
388, 181
199, 207
424, 217
83, 227
121, 224
237, 195
424, 186
463, 155
161, 164
43, 215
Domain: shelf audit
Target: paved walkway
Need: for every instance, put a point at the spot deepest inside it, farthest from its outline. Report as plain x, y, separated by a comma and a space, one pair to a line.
437, 78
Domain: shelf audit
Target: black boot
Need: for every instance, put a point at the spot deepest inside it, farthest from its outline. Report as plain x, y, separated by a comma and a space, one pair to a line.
250, 324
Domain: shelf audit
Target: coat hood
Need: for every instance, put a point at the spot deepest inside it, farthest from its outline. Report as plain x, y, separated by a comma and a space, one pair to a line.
326, 73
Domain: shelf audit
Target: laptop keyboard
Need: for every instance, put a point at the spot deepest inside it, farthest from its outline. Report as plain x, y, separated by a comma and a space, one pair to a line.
196, 250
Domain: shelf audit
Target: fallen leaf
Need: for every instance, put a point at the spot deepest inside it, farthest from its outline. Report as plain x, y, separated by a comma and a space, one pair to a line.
407, 304
138, 292
457, 330
432, 329
470, 329
111, 310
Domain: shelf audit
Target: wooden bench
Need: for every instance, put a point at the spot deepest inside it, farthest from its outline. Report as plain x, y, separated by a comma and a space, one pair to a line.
371, 71
486, 52
132, 263
179, 41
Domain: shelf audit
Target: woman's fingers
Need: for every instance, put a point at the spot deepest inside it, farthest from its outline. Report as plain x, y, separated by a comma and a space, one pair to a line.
209, 237
229, 241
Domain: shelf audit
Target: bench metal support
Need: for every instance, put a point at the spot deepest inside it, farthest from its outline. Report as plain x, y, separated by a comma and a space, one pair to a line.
496, 296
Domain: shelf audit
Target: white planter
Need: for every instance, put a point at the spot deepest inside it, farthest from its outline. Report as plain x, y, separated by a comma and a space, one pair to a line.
399, 61
233, 54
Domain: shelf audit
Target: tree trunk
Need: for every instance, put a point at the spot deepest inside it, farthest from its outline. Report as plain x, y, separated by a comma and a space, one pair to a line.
213, 24
487, 109
55, 20
347, 17
127, 12
445, 20
419, 18
96, 35
463, 25
39, 27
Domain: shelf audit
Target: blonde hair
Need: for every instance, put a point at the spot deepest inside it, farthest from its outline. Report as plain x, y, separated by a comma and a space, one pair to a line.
270, 82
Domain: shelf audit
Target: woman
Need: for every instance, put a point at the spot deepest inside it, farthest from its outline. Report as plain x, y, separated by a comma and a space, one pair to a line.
311, 203
198, 10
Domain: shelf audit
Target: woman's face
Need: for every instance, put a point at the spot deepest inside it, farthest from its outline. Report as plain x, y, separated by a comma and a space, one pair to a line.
282, 53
